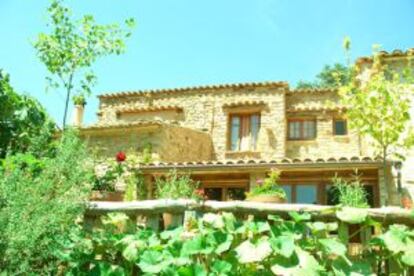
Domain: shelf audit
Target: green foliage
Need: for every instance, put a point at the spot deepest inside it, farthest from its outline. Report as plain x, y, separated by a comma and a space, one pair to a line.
351, 194
330, 76
40, 201
222, 245
79, 100
73, 46
22, 118
175, 186
268, 187
379, 100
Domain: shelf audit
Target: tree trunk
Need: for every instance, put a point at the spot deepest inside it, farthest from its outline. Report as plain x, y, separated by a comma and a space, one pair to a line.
384, 171
68, 90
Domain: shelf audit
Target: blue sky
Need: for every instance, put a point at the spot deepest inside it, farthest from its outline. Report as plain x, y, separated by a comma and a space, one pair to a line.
184, 43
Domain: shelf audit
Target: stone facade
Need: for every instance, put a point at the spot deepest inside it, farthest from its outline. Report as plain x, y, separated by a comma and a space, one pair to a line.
208, 110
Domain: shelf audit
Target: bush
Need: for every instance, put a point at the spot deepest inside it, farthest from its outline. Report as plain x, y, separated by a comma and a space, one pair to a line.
350, 193
22, 119
268, 187
222, 245
40, 200
174, 186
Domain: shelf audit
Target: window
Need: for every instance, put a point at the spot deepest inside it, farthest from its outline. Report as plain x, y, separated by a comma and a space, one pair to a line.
301, 129
340, 127
301, 193
244, 131
306, 194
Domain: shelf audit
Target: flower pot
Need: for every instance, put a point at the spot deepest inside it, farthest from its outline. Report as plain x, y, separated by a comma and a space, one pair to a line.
406, 202
78, 115
267, 199
106, 196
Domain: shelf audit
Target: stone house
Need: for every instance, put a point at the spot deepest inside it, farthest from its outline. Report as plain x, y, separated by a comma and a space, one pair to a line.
229, 136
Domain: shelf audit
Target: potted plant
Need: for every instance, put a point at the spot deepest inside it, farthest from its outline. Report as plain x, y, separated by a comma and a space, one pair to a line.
175, 186
352, 194
105, 179
268, 191
79, 101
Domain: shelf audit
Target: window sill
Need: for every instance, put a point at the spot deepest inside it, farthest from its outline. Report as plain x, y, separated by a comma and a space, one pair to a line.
301, 140
341, 138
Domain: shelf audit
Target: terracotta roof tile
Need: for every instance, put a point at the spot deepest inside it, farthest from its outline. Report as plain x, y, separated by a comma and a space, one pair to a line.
393, 54
244, 103
148, 108
315, 107
196, 88
118, 125
283, 161
314, 90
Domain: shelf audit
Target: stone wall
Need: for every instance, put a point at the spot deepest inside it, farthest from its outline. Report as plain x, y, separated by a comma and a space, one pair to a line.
168, 143
206, 111
324, 107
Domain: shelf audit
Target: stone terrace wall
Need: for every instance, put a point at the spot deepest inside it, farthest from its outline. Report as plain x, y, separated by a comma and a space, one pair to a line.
168, 143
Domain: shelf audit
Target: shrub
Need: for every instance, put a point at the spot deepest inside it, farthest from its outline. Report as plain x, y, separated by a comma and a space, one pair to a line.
40, 200
175, 186
269, 187
222, 245
350, 193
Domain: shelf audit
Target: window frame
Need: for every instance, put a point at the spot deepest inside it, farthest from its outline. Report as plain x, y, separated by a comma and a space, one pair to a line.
302, 128
334, 127
230, 128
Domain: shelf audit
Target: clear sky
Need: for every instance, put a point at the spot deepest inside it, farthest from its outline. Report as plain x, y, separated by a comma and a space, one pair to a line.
186, 42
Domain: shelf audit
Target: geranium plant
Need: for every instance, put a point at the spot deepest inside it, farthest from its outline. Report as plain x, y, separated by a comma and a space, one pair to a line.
269, 187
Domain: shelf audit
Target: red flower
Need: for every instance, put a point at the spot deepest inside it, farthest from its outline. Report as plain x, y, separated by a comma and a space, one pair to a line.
120, 157
200, 192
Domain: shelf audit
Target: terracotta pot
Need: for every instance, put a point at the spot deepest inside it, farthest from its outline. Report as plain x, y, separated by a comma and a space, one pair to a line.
267, 199
106, 196
406, 202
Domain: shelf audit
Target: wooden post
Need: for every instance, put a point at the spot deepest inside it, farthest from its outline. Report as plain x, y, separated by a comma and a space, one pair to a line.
153, 222
149, 183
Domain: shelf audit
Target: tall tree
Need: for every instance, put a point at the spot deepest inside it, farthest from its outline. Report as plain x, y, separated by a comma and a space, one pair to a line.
72, 46
329, 77
22, 118
378, 101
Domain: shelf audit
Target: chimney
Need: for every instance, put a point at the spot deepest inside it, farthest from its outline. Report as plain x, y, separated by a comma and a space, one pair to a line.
78, 115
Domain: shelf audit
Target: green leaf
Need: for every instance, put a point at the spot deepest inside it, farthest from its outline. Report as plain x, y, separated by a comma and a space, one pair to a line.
300, 217
196, 245
151, 262
130, 253
248, 252
306, 265
284, 245
221, 267
333, 247
352, 215
408, 257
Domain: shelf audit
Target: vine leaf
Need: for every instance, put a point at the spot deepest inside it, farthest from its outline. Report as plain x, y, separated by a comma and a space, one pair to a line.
249, 253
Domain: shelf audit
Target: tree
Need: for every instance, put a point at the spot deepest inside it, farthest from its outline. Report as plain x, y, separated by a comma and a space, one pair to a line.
22, 118
329, 77
378, 102
40, 201
72, 46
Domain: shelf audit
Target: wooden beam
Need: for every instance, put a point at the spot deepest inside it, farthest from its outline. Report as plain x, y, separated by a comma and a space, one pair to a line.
386, 215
